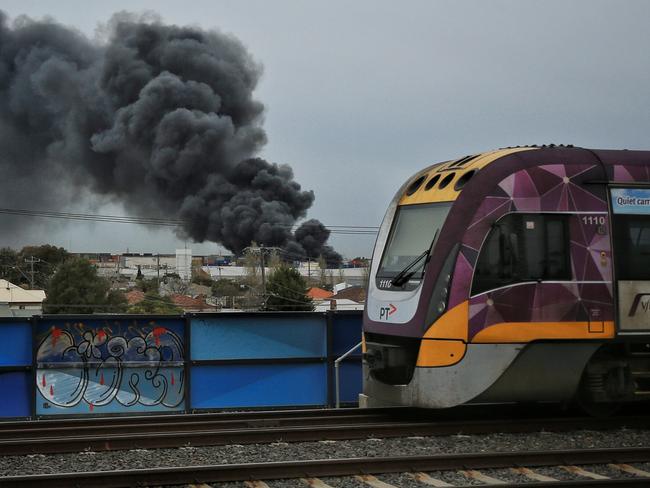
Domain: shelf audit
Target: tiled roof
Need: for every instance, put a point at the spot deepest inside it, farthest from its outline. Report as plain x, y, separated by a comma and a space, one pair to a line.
134, 296
354, 293
189, 303
318, 293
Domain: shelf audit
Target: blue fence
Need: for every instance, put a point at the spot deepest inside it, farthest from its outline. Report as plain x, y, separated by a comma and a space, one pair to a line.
121, 364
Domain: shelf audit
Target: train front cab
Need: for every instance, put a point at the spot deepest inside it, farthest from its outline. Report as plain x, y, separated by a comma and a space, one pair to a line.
545, 300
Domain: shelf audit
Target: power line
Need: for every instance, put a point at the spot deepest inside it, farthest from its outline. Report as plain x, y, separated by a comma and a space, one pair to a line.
121, 219
91, 217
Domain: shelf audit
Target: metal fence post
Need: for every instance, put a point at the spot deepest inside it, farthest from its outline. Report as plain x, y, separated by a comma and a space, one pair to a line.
337, 363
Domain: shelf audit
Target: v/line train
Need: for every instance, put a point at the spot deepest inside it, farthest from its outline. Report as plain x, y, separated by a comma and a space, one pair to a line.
516, 275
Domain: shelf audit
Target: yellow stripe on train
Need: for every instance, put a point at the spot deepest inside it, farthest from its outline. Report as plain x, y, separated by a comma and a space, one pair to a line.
439, 184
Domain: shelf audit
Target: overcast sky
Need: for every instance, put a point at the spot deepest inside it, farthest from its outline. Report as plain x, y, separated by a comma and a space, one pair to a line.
360, 95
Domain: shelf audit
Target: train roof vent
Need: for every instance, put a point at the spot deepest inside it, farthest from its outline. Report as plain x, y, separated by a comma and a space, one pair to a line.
430, 184
413, 187
540, 146
446, 180
464, 179
462, 161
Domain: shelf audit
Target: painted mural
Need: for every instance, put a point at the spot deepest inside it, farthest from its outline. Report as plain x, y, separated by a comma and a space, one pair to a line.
100, 367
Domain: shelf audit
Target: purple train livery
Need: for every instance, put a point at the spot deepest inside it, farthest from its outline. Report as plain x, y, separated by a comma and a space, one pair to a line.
517, 275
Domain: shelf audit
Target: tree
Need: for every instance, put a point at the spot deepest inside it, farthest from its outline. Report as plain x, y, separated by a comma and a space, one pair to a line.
273, 260
147, 285
45, 260
153, 303
76, 288
35, 264
287, 290
9, 266
252, 268
49, 254
200, 277
227, 288
173, 284
252, 279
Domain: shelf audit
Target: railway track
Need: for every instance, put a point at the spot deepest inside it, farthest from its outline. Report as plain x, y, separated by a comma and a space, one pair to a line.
364, 469
110, 434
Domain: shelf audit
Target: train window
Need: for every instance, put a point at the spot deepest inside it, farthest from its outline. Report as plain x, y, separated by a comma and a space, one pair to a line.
464, 179
415, 185
413, 231
523, 247
632, 244
432, 182
446, 180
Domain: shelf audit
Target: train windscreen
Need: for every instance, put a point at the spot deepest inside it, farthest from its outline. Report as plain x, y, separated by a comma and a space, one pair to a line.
413, 232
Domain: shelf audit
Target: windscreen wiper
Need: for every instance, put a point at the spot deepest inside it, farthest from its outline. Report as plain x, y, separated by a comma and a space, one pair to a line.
406, 274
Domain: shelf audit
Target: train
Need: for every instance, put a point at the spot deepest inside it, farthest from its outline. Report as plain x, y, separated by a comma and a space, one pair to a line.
516, 275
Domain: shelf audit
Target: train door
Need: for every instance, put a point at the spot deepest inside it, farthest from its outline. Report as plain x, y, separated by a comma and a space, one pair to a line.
631, 249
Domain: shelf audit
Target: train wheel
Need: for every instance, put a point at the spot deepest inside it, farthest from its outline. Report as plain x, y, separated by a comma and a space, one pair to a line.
585, 400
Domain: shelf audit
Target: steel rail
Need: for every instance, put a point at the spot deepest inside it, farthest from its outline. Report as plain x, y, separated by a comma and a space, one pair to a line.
332, 467
185, 425
609, 483
204, 416
310, 431
464, 412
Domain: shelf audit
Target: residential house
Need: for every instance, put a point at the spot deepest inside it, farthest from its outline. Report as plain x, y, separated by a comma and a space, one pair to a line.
18, 302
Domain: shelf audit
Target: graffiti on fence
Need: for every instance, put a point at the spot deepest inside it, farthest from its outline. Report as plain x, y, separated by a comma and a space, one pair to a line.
110, 368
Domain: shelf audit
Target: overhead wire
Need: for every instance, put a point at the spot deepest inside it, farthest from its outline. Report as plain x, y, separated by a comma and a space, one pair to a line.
165, 222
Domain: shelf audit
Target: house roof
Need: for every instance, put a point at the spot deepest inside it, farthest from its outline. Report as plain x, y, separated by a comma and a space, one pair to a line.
10, 293
343, 304
134, 296
189, 303
354, 293
318, 293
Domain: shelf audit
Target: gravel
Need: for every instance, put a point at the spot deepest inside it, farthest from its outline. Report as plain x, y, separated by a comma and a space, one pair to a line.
230, 454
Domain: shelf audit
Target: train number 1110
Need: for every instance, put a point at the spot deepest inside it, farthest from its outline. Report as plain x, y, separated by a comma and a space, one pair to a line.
594, 220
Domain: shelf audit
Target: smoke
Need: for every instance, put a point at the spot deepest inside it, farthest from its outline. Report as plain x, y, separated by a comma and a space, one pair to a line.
158, 117
310, 239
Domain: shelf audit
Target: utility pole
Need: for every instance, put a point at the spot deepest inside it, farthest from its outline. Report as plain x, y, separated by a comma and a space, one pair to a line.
158, 271
31, 261
262, 250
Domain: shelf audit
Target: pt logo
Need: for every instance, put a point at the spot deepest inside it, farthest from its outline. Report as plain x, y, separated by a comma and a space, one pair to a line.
645, 304
385, 312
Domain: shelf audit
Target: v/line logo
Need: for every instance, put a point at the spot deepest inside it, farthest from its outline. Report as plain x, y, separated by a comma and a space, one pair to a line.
645, 305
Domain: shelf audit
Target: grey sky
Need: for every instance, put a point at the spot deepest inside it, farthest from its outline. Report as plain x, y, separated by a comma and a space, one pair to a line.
360, 95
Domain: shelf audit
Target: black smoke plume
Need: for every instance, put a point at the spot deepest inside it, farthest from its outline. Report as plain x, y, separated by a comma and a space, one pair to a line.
310, 239
158, 117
